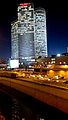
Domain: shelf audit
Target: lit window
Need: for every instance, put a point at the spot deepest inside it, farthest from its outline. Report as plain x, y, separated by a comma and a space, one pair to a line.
52, 58
60, 62
52, 62
64, 62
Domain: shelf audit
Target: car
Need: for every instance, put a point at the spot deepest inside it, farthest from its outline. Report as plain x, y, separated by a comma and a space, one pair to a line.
66, 82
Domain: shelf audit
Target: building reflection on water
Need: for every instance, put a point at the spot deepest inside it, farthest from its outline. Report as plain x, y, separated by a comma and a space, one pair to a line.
27, 108
15, 110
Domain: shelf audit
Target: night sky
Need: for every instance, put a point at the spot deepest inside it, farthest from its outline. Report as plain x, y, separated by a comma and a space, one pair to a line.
57, 24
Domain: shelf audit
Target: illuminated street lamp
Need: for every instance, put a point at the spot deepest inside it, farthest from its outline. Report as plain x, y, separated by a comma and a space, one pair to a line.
58, 55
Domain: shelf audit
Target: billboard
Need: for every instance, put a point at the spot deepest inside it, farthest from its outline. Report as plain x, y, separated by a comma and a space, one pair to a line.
14, 63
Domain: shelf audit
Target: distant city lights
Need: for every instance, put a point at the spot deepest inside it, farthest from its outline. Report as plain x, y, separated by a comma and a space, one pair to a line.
58, 55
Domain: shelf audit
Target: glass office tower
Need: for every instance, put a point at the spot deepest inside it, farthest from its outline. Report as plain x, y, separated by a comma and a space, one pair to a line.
14, 40
22, 34
26, 31
28, 34
40, 36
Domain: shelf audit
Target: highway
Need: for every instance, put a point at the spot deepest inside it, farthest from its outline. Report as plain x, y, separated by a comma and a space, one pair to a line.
54, 94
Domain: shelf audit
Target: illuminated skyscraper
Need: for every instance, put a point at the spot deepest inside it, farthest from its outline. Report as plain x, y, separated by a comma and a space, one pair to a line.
28, 34
14, 40
23, 33
40, 36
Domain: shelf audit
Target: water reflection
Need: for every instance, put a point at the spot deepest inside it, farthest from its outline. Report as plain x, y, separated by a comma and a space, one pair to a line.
5, 107
27, 108
16, 110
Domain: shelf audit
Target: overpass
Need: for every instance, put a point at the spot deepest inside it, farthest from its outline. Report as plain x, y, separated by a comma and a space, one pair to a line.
50, 94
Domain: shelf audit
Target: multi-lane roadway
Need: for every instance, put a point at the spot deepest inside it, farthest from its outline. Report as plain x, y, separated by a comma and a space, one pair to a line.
52, 92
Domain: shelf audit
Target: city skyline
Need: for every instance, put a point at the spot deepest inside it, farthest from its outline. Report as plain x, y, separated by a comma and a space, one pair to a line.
22, 34
57, 26
29, 34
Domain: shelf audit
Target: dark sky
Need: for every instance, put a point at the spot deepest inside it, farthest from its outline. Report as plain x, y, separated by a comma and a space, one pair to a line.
57, 24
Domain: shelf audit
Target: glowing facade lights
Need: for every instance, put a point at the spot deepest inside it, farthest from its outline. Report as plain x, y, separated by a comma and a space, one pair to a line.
40, 33
22, 33
28, 33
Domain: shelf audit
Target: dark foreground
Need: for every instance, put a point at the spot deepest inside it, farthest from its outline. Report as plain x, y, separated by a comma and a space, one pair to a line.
23, 107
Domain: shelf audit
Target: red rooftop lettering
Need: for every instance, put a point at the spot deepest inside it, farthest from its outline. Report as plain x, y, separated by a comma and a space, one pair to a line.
24, 4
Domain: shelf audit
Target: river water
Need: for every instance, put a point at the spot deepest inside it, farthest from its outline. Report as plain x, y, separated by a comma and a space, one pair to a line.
27, 108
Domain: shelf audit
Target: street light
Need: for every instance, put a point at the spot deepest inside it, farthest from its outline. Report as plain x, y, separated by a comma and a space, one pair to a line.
58, 55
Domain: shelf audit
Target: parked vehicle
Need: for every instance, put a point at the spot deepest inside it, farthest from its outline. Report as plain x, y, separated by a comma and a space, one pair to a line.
8, 74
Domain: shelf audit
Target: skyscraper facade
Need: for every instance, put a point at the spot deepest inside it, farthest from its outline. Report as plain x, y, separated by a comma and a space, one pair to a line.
28, 34
14, 40
23, 37
40, 36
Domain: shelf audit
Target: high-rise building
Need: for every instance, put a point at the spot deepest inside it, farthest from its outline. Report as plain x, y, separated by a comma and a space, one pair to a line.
28, 34
67, 50
14, 40
40, 36
23, 34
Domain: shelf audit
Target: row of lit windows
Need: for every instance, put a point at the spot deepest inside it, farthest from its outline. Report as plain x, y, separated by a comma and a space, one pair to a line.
55, 62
